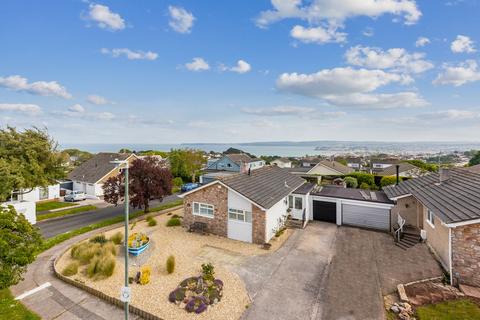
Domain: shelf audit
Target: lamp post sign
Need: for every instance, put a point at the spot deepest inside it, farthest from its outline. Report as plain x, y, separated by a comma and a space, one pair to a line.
125, 294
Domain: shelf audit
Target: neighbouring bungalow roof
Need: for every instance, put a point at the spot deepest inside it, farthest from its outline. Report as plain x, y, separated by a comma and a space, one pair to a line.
352, 194
334, 165
240, 157
305, 188
97, 167
456, 199
392, 170
284, 160
265, 186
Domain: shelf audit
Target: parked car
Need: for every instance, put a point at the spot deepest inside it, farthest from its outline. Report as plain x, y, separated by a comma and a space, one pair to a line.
189, 186
75, 196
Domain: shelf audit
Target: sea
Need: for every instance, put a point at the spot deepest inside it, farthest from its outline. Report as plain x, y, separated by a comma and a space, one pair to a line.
302, 148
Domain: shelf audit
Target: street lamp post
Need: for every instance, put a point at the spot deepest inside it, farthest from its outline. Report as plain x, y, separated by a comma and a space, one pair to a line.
125, 295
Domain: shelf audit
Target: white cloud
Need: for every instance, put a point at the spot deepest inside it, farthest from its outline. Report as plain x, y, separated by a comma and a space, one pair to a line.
317, 34
98, 100
395, 59
198, 64
105, 18
130, 54
459, 75
241, 67
42, 88
452, 114
180, 19
77, 108
30, 109
421, 42
462, 44
279, 111
337, 12
351, 87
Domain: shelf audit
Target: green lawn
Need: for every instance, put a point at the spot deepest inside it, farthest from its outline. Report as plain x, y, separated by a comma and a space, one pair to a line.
50, 205
461, 309
11, 309
62, 213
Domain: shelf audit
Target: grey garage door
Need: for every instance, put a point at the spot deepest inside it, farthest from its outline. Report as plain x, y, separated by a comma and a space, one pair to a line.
367, 217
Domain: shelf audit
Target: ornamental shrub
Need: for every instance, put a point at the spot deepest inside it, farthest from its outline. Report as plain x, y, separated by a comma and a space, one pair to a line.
351, 182
363, 178
208, 272
84, 252
365, 186
152, 222
71, 269
174, 222
145, 275
101, 267
99, 239
170, 264
177, 182
117, 238
388, 180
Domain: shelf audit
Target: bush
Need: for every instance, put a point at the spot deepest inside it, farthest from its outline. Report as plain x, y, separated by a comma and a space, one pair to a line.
152, 222
170, 264
101, 267
279, 232
173, 222
388, 180
71, 269
108, 247
84, 252
178, 182
99, 239
208, 272
365, 186
117, 238
351, 182
145, 275
363, 178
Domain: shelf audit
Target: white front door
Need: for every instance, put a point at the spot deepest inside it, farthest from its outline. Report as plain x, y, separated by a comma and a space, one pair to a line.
240, 225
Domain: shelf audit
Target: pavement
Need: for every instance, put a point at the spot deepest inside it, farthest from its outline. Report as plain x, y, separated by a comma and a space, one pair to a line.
333, 273
52, 227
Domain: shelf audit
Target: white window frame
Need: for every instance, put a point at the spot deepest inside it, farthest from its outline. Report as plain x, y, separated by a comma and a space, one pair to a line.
238, 212
291, 204
431, 218
204, 205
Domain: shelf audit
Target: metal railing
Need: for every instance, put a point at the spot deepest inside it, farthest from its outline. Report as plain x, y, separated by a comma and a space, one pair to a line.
401, 223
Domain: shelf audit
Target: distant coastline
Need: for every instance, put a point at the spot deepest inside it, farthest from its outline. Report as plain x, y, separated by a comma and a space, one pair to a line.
300, 148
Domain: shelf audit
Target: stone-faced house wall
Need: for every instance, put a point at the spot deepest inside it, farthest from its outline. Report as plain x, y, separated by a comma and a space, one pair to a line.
216, 195
258, 225
466, 254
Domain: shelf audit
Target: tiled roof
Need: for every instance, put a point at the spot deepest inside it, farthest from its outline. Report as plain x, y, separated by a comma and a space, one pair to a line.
239, 157
337, 166
305, 188
456, 199
265, 186
352, 194
392, 170
97, 167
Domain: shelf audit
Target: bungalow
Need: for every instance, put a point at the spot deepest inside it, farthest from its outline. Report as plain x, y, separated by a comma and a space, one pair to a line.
230, 164
378, 165
38, 194
405, 170
322, 168
90, 176
445, 208
282, 163
248, 206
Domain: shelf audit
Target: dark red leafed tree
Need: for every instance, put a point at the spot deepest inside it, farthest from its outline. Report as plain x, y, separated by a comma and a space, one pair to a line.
149, 180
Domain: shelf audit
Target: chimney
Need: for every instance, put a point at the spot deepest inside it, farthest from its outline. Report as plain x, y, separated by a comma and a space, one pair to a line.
443, 174
398, 173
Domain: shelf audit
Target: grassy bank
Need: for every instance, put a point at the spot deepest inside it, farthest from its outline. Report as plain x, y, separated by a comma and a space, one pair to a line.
461, 309
48, 243
12, 309
62, 213
51, 205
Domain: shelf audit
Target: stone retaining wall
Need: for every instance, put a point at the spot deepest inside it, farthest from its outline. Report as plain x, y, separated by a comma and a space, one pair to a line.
466, 254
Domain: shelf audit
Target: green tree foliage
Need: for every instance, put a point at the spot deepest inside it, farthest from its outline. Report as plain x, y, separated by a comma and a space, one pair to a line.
475, 159
79, 155
365, 186
363, 178
423, 165
125, 150
19, 242
163, 154
351, 182
186, 163
28, 159
388, 180
177, 182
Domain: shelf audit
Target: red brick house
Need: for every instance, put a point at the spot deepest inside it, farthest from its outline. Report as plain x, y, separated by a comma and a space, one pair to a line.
249, 207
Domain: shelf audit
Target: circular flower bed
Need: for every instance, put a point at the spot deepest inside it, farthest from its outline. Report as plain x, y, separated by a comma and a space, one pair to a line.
195, 294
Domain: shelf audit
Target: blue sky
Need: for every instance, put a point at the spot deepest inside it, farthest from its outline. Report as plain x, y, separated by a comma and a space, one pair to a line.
235, 71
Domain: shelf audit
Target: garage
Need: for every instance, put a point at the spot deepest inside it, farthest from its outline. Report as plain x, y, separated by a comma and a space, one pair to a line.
325, 211
366, 216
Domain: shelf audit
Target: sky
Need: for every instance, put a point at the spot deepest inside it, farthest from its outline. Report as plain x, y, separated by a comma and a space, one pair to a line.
241, 71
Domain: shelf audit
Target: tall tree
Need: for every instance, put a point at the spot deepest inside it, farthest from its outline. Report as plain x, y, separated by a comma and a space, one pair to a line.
186, 163
475, 159
148, 180
28, 159
19, 243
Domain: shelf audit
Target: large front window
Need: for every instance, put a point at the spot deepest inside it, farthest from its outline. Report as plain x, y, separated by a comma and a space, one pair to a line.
203, 209
239, 215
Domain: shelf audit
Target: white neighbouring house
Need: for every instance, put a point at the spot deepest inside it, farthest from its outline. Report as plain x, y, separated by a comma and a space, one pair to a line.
90, 176
37, 194
282, 163
27, 208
